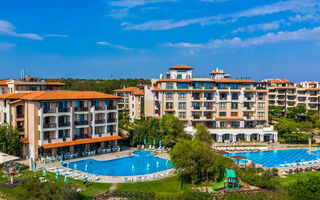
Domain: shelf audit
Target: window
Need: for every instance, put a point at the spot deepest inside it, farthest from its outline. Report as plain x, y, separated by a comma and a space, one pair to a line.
182, 105
182, 115
182, 85
248, 86
132, 105
247, 95
207, 86
233, 86
246, 104
208, 105
169, 96
196, 105
221, 86
223, 96
196, 115
179, 76
261, 105
222, 114
234, 114
195, 95
196, 86
182, 96
169, 86
235, 96
222, 106
207, 95
234, 105
260, 115
261, 96
169, 105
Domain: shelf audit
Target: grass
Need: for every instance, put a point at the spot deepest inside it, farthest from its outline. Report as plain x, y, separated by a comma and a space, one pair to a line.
292, 178
92, 190
167, 185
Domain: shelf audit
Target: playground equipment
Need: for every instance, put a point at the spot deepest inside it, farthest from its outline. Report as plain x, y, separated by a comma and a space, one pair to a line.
230, 181
10, 169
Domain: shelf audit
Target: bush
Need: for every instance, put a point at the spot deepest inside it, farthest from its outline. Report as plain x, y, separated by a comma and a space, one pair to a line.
307, 188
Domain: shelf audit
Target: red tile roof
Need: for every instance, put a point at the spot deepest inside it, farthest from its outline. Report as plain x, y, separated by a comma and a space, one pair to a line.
276, 80
234, 81
12, 95
174, 80
55, 83
181, 67
133, 90
4, 83
83, 141
229, 118
59, 95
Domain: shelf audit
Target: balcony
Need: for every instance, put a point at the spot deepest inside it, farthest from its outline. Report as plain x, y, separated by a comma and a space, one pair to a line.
249, 109
21, 129
100, 121
81, 109
50, 125
111, 120
51, 110
19, 116
63, 110
99, 108
196, 98
195, 107
81, 123
112, 107
82, 136
64, 124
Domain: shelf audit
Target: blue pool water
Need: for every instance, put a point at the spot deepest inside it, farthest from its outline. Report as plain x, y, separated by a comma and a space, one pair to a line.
277, 157
123, 166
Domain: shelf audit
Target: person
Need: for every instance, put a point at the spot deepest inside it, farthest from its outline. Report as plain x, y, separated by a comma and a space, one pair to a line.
84, 182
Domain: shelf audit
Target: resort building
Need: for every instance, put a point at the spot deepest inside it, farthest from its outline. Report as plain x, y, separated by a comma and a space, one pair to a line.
58, 122
232, 109
132, 101
283, 93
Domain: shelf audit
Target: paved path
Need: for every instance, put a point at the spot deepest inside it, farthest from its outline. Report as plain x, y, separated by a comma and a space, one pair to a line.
113, 187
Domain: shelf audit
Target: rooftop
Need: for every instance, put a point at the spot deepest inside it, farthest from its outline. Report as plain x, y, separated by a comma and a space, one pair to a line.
181, 67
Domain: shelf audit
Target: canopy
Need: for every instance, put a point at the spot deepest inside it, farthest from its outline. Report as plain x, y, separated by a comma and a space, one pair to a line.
6, 158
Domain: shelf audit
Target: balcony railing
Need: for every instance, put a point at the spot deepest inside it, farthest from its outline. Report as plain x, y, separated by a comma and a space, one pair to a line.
64, 124
50, 125
196, 107
83, 136
100, 121
60, 110
20, 115
111, 120
20, 129
113, 107
81, 123
50, 110
99, 108
81, 109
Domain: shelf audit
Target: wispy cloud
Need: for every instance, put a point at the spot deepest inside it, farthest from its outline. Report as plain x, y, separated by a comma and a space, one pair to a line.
114, 46
56, 35
6, 28
290, 5
5, 45
269, 38
274, 25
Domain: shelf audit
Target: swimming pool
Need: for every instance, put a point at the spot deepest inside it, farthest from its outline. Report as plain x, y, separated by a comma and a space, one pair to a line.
123, 166
278, 157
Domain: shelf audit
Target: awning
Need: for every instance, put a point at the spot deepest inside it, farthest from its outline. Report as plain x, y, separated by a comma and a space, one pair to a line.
6, 158
83, 141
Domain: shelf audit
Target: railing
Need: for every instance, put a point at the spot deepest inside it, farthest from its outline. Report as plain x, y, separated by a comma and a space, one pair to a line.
20, 129
113, 107
45, 110
63, 110
81, 122
20, 115
196, 107
100, 121
50, 125
84, 136
196, 117
64, 124
196, 98
99, 108
81, 109
112, 120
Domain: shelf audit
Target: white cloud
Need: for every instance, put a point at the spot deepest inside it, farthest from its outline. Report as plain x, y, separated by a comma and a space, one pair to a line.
269, 38
290, 5
56, 35
6, 28
274, 25
5, 45
114, 46
311, 17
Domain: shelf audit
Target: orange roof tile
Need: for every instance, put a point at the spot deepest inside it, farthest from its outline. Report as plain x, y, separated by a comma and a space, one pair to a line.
276, 80
313, 89
12, 95
158, 117
83, 141
57, 95
16, 101
261, 119
24, 140
170, 90
133, 90
249, 90
234, 81
181, 67
229, 118
3, 82
217, 73
55, 83
286, 88
169, 110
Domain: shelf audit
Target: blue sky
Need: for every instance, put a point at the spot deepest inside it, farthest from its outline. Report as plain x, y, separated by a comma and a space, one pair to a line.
142, 38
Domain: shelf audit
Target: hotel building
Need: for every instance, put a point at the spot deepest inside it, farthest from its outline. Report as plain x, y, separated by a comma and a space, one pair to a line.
283, 93
56, 122
132, 101
231, 109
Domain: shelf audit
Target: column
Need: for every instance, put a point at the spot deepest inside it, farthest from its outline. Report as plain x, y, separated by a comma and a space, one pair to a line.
248, 137
261, 137
219, 138
234, 137
276, 137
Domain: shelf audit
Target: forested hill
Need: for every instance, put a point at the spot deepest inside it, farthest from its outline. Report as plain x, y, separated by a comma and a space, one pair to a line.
99, 85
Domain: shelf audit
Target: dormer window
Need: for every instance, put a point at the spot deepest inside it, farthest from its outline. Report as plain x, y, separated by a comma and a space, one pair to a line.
179, 76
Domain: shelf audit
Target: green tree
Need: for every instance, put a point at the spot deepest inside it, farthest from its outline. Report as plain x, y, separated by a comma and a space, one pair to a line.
306, 188
172, 128
202, 134
306, 126
297, 112
276, 110
9, 139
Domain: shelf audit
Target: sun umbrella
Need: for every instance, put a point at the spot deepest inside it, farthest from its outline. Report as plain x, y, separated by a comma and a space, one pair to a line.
50, 160
160, 143
57, 175
75, 166
145, 141
66, 178
68, 163
154, 142
44, 172
34, 167
61, 162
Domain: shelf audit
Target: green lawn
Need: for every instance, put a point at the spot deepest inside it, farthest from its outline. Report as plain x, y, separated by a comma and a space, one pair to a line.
167, 185
291, 178
93, 189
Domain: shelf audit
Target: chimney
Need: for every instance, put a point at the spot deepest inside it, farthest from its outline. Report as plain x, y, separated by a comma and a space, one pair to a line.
161, 76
